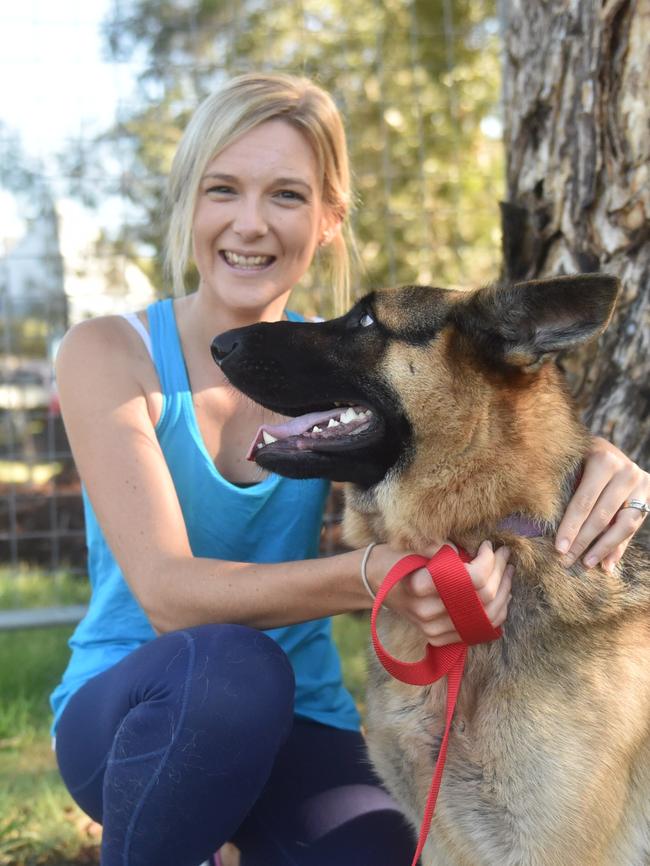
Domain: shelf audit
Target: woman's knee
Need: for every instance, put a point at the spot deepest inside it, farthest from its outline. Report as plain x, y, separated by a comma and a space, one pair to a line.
244, 674
209, 687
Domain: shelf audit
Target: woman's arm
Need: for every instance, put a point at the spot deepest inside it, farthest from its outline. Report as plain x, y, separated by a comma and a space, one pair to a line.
103, 388
104, 381
594, 512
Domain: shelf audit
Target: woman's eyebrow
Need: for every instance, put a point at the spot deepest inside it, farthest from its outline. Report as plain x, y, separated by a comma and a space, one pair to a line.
220, 176
230, 178
293, 180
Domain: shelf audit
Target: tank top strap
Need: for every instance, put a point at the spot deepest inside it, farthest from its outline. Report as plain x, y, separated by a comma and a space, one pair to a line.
167, 351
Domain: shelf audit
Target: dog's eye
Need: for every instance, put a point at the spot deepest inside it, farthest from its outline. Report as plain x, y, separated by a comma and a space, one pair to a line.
366, 320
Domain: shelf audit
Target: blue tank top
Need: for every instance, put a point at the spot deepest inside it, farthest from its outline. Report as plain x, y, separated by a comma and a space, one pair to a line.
277, 520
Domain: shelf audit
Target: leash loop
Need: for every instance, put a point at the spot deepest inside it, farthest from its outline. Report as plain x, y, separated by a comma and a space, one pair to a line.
454, 586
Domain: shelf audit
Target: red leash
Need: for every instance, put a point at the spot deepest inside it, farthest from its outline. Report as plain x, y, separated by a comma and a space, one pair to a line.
455, 588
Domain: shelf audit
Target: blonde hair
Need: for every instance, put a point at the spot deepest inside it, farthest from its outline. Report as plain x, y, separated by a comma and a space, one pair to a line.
239, 106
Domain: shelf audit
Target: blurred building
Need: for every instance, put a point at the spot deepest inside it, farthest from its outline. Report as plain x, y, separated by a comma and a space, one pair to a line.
52, 275
97, 281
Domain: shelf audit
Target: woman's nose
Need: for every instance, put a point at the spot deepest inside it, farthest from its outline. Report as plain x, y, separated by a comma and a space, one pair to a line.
250, 221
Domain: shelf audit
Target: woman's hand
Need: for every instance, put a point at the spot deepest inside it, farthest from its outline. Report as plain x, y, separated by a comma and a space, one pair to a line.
417, 599
594, 512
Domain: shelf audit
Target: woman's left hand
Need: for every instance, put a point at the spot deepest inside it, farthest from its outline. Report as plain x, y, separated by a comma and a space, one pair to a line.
594, 512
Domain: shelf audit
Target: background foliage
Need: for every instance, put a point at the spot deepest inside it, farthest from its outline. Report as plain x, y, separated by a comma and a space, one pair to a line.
416, 82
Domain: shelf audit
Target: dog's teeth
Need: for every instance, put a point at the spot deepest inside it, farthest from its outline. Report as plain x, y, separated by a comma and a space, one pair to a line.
316, 429
348, 415
333, 423
268, 438
260, 445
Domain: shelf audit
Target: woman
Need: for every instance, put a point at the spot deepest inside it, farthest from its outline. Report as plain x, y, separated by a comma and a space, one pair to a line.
179, 723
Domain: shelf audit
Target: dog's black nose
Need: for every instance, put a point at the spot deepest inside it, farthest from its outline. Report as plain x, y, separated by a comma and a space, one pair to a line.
222, 346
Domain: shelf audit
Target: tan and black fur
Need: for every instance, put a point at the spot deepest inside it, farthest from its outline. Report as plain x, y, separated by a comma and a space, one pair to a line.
549, 757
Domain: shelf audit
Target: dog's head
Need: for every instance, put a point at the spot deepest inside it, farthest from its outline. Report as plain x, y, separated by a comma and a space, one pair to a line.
403, 366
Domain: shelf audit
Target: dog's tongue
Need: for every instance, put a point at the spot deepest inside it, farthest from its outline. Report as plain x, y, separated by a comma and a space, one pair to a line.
294, 427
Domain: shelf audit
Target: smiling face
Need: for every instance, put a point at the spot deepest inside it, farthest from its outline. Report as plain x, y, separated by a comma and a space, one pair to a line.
258, 220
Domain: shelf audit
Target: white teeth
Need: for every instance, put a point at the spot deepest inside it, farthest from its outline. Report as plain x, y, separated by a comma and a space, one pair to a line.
346, 417
246, 261
349, 415
268, 438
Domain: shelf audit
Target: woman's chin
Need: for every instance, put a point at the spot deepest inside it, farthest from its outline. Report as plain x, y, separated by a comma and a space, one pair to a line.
253, 302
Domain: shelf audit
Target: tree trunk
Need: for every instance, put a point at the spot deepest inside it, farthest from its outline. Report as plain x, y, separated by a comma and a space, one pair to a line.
577, 129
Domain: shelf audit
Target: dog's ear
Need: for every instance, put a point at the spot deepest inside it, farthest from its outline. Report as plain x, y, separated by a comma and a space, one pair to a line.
524, 323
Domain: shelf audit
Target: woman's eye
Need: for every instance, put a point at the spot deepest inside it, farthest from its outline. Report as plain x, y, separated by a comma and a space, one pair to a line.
290, 195
220, 190
366, 320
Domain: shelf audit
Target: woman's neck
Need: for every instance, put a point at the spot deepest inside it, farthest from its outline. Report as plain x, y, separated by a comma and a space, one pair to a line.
203, 318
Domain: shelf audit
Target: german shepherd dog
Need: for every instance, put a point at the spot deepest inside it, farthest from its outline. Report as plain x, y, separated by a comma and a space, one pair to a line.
445, 412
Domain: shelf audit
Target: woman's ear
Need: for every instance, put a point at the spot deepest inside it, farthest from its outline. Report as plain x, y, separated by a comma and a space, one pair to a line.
330, 228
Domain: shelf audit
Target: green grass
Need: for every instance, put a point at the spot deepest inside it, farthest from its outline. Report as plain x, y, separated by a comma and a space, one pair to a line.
352, 636
39, 823
25, 587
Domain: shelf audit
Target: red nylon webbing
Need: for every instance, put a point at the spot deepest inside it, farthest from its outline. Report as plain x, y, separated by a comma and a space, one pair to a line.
454, 585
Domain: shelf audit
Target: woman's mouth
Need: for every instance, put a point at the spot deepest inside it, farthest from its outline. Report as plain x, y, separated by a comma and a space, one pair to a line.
246, 262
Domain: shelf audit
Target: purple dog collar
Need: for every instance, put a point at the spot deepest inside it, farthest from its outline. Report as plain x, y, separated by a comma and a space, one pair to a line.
520, 525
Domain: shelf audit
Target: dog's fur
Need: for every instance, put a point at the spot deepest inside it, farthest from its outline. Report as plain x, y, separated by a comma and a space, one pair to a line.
549, 757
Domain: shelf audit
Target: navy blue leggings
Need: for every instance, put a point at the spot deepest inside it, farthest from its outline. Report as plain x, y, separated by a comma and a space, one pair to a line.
190, 741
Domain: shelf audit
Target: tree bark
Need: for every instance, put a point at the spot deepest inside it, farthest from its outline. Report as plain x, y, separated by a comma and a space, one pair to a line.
577, 131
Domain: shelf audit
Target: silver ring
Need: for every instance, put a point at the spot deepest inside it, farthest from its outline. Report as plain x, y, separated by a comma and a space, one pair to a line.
639, 504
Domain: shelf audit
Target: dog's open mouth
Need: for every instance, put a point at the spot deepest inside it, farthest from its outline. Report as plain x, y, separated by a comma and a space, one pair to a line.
342, 422
333, 430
